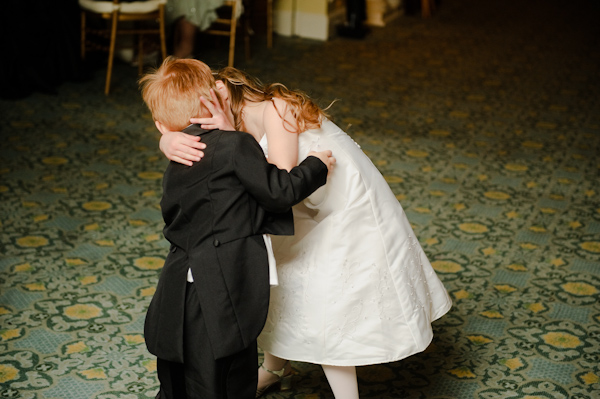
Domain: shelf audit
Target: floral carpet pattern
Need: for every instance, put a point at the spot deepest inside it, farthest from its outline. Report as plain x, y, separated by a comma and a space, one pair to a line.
485, 121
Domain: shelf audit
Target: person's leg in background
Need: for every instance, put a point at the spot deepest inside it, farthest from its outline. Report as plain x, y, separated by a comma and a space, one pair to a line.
355, 16
185, 38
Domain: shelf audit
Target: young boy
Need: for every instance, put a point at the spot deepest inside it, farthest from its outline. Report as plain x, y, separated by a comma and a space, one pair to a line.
212, 297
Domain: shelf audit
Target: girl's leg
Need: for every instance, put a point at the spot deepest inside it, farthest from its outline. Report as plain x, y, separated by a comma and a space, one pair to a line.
274, 363
342, 381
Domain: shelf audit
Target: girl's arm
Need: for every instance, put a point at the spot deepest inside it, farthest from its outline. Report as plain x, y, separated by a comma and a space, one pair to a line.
184, 148
180, 147
280, 128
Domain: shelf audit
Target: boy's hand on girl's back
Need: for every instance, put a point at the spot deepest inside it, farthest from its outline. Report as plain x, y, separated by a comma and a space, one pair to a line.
326, 157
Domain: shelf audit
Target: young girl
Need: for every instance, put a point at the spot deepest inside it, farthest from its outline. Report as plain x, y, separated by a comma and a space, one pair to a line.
355, 287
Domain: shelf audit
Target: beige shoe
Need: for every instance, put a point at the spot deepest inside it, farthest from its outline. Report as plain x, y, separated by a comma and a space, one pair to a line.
284, 379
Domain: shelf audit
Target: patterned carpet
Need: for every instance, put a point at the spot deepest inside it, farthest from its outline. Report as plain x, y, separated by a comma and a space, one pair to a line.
485, 121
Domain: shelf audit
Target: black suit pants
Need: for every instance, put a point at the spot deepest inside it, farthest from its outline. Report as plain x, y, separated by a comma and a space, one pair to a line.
201, 376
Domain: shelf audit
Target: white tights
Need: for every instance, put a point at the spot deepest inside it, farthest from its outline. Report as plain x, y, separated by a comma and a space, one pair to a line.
342, 379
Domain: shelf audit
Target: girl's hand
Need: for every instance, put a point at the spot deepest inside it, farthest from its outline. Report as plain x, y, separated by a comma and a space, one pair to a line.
326, 157
219, 120
180, 147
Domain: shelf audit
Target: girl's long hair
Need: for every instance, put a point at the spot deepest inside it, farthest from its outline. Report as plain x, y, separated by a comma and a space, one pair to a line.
243, 87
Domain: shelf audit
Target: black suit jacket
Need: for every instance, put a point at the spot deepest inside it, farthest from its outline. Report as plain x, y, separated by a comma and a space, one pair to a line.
215, 213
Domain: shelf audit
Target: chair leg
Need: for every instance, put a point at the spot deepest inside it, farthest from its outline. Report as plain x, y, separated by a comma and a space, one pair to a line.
231, 49
232, 34
82, 35
140, 53
246, 27
247, 46
111, 51
269, 23
163, 41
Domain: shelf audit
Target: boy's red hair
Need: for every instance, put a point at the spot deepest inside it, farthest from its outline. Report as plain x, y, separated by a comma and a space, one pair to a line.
172, 92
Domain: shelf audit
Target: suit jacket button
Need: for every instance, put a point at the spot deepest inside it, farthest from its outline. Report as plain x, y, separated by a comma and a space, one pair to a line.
216, 243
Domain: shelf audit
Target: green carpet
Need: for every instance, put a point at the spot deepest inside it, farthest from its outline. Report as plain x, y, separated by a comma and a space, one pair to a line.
485, 121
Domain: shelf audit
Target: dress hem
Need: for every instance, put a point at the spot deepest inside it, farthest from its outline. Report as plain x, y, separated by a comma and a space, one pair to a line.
350, 363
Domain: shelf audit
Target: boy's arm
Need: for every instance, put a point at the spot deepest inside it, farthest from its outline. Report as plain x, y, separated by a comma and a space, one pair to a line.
275, 189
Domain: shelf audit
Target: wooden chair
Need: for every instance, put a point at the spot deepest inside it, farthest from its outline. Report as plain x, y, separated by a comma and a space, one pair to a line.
226, 25
231, 18
269, 23
114, 12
